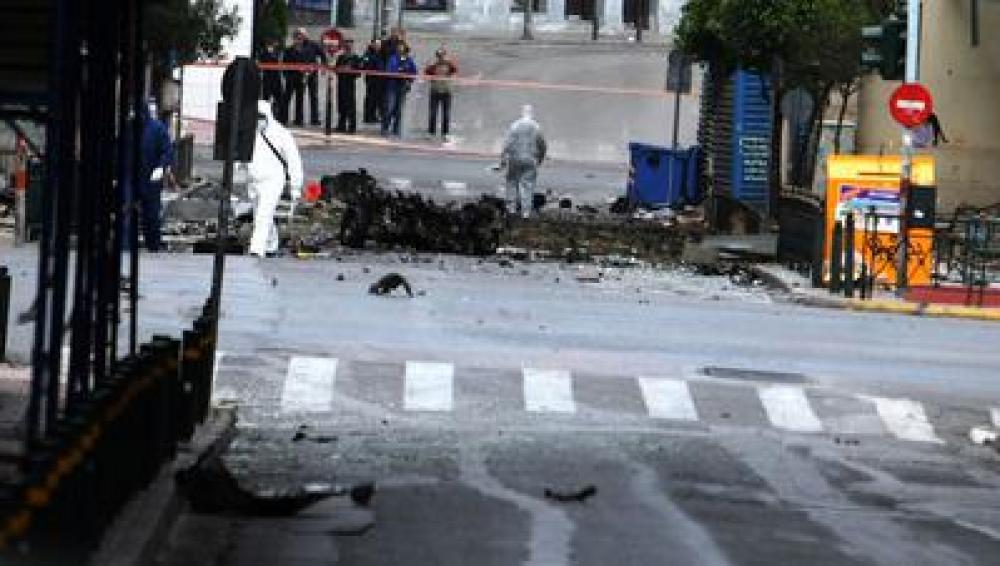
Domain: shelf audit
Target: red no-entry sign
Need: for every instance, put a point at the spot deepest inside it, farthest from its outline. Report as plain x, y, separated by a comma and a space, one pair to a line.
911, 105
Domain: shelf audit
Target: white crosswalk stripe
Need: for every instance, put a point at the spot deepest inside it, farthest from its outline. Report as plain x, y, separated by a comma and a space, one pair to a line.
548, 391
428, 386
668, 399
788, 408
905, 419
311, 385
308, 385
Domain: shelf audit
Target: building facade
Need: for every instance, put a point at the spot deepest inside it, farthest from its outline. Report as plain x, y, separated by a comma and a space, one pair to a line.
615, 16
960, 65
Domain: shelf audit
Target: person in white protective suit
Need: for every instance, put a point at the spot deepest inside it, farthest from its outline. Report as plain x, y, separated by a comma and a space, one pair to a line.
276, 167
523, 151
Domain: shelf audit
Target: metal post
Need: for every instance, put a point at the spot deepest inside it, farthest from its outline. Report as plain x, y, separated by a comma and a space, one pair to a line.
819, 238
906, 170
4, 310
222, 232
836, 256
402, 8
595, 22
677, 116
329, 102
849, 256
640, 21
376, 10
528, 8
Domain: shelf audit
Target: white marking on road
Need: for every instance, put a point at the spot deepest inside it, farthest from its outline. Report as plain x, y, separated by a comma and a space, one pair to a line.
309, 385
995, 416
905, 419
668, 399
548, 391
428, 386
788, 408
400, 183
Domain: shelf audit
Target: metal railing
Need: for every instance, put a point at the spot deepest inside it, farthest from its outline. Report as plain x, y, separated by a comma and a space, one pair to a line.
77, 480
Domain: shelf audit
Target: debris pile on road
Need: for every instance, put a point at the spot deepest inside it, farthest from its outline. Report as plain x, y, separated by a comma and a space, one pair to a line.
409, 221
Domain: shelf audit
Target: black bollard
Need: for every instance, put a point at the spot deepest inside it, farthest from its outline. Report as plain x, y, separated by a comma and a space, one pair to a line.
4, 310
849, 256
836, 256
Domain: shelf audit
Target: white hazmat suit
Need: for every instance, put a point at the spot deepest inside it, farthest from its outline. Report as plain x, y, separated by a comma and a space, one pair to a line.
523, 151
266, 175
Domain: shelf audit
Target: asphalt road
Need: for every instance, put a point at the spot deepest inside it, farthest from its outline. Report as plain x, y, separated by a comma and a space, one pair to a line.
718, 424
445, 174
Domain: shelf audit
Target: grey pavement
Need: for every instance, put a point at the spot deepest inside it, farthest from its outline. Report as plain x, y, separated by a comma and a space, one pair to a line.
720, 424
445, 175
580, 125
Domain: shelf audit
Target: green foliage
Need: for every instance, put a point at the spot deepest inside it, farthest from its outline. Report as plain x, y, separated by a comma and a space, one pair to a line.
814, 40
272, 22
181, 31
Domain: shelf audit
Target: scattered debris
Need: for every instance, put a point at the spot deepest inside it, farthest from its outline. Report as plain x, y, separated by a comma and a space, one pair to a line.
846, 441
983, 435
389, 283
578, 496
363, 493
302, 434
274, 281
340, 277
505, 263
211, 488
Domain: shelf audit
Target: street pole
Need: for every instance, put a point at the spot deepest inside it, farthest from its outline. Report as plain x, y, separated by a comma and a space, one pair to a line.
402, 8
640, 20
376, 10
595, 29
677, 117
906, 169
528, 7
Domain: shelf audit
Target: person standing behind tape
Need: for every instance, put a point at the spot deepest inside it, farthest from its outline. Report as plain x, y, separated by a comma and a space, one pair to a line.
372, 61
441, 91
397, 87
523, 151
271, 87
348, 65
276, 169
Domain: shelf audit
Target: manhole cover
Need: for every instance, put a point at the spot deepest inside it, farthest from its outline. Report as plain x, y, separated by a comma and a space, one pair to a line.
753, 374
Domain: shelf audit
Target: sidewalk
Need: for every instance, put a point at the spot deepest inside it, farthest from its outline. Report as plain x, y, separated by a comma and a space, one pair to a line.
800, 291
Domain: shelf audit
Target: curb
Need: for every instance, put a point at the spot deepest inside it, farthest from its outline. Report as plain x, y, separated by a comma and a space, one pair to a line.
890, 306
142, 527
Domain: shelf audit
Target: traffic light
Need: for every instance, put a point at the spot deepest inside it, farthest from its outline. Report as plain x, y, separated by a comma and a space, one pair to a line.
884, 48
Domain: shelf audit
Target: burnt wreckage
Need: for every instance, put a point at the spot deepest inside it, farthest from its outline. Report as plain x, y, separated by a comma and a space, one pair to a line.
408, 220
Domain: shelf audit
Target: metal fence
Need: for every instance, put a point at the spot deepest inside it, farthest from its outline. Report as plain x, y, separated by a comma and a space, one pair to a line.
98, 430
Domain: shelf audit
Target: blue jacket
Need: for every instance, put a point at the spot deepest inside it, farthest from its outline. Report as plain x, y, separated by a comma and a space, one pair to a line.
157, 149
399, 64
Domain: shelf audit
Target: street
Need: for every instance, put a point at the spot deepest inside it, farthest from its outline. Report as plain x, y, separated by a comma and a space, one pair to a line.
444, 174
737, 432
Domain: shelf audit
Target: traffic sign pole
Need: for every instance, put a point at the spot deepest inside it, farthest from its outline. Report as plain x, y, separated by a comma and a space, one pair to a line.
906, 171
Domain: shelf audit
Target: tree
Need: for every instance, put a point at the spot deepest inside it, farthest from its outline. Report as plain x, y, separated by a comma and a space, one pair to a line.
809, 44
182, 31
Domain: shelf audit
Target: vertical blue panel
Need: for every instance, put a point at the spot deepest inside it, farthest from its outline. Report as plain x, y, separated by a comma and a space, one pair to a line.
751, 139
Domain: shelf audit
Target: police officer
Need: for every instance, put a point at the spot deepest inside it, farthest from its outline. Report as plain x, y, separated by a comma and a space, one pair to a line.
308, 52
348, 65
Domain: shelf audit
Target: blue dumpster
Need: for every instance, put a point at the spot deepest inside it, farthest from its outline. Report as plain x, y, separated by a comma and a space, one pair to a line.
662, 177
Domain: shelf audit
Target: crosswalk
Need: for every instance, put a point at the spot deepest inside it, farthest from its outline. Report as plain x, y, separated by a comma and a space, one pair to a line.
297, 385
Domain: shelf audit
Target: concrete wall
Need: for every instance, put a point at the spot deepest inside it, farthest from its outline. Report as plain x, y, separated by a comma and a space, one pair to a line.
965, 83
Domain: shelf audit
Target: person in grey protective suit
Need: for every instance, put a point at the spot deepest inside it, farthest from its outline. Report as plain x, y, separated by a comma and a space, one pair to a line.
523, 151
276, 168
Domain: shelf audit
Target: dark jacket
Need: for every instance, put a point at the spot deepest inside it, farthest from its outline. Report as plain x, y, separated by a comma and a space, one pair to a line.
345, 63
157, 150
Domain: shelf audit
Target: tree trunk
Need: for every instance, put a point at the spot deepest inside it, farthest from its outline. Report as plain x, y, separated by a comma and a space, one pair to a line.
816, 133
777, 118
845, 96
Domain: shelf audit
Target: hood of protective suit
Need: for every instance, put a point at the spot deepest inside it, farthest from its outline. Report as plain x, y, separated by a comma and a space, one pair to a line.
266, 171
524, 142
264, 107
